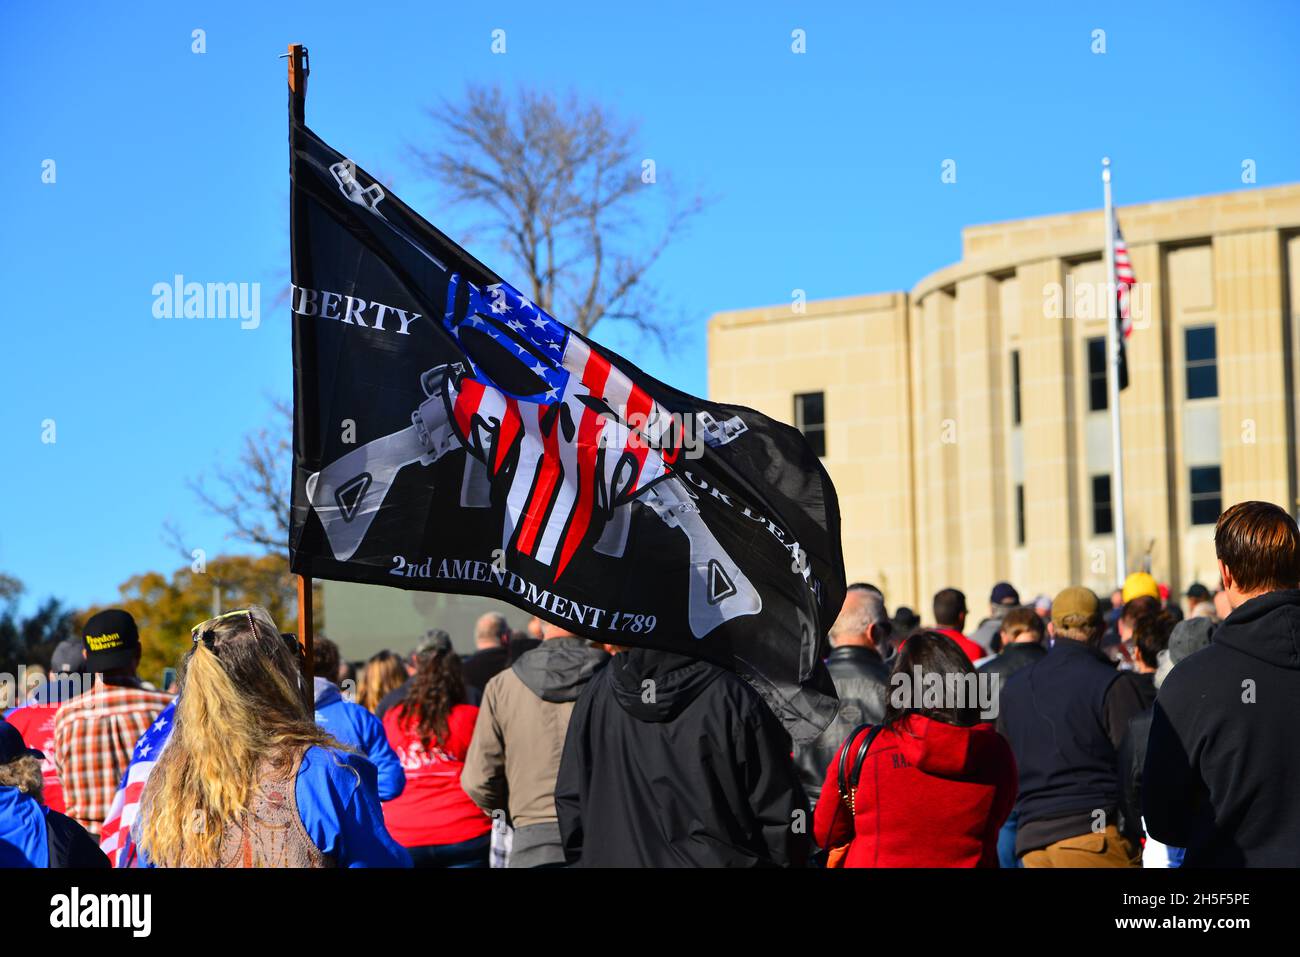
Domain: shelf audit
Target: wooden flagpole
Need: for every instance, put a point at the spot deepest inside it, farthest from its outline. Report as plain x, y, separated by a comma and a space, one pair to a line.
298, 70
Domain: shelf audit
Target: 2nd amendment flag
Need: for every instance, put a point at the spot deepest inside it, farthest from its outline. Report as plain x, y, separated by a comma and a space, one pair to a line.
451, 436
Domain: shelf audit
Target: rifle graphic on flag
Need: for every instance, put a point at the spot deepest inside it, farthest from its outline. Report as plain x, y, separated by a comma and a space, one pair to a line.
501, 453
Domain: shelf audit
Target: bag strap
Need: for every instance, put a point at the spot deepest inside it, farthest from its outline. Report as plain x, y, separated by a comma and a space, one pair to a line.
848, 777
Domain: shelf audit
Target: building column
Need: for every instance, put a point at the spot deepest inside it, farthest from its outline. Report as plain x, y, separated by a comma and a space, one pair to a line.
939, 535
981, 413
1254, 424
1053, 505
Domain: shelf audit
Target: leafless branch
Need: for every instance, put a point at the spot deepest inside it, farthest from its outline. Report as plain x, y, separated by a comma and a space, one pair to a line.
558, 182
253, 496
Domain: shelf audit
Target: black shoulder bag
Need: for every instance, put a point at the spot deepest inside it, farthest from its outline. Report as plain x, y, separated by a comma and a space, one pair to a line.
848, 774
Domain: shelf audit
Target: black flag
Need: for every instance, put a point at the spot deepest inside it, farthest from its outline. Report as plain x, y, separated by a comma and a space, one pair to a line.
450, 435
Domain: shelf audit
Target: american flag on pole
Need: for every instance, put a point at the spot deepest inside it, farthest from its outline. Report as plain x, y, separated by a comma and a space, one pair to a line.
115, 839
1124, 280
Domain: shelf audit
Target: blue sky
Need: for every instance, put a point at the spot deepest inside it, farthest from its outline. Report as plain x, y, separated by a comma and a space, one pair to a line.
826, 169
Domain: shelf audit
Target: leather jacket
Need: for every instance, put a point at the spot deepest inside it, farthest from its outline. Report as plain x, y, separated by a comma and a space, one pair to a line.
861, 680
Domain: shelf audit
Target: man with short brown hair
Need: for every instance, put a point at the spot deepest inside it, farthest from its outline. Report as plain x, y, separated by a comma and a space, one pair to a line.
1222, 772
1022, 632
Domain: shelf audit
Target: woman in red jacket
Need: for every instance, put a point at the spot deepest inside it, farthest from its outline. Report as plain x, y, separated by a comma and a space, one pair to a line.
935, 784
430, 730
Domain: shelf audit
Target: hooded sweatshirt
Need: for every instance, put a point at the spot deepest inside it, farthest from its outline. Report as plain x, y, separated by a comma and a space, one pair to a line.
675, 762
356, 727
519, 733
1222, 771
929, 795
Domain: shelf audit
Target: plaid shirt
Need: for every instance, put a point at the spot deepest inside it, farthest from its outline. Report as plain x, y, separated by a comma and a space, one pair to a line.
94, 735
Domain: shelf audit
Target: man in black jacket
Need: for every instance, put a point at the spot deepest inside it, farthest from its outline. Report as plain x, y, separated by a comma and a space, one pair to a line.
491, 638
674, 762
1022, 634
1021, 641
1064, 717
1222, 771
860, 676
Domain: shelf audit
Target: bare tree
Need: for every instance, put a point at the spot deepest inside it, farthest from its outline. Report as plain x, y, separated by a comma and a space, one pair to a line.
560, 183
253, 496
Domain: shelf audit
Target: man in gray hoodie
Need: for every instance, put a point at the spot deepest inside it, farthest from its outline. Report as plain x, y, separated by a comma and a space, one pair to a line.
514, 756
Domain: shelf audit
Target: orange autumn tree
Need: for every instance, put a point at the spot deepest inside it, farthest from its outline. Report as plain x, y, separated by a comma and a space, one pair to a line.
165, 610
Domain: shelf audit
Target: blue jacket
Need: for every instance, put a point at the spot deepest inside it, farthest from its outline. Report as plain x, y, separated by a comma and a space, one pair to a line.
356, 727
31, 835
336, 798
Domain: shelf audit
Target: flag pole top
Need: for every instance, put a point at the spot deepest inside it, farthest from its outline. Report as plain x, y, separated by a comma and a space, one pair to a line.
299, 68
1105, 169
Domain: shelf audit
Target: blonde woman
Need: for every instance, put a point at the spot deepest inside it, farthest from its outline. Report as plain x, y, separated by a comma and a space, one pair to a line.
383, 673
247, 778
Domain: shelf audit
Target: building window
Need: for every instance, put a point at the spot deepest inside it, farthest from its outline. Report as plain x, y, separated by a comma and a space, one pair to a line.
1015, 386
1202, 355
1207, 494
810, 419
1103, 519
1020, 514
1097, 374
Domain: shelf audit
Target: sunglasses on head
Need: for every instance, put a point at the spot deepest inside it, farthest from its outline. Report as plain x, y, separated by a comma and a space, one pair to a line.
203, 630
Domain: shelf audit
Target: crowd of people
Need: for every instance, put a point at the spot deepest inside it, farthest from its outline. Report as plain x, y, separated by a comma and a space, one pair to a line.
1066, 731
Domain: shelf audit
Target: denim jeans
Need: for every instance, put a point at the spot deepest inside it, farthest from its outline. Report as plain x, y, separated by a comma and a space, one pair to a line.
471, 853
1007, 842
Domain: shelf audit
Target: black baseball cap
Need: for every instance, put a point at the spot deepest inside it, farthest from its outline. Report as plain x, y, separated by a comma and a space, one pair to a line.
1004, 594
1198, 591
110, 640
12, 745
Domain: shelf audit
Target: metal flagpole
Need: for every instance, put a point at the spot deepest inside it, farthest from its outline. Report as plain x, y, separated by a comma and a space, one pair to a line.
298, 70
1112, 385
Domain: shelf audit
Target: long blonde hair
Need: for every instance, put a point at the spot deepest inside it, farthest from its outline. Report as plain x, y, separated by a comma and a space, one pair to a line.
242, 702
384, 672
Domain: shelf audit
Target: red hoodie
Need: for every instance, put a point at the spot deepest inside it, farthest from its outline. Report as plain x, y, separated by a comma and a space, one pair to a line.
930, 795
432, 808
